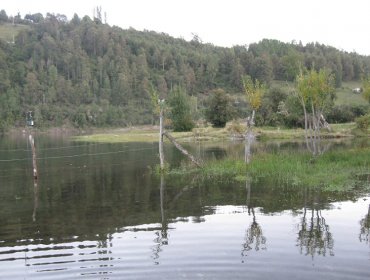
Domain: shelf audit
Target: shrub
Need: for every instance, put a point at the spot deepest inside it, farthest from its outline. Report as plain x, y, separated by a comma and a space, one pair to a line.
363, 122
346, 113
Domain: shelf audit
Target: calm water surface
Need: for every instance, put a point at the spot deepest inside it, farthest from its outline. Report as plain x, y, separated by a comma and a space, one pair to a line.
98, 212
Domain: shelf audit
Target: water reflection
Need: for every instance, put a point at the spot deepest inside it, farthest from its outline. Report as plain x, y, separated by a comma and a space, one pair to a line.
35, 199
109, 217
254, 238
161, 235
314, 236
365, 228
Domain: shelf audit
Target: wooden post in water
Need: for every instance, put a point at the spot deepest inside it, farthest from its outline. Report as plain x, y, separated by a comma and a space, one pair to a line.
34, 164
161, 155
181, 149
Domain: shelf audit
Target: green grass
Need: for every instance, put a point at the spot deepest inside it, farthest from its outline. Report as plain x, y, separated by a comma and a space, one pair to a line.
345, 96
211, 134
119, 137
7, 31
336, 170
337, 131
151, 135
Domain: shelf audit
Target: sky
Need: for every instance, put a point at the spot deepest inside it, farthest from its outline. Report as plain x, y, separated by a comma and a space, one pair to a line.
342, 24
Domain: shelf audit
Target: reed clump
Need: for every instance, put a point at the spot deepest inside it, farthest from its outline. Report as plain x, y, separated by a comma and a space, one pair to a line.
335, 170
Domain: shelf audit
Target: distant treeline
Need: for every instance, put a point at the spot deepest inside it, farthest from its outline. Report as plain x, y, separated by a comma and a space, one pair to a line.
84, 72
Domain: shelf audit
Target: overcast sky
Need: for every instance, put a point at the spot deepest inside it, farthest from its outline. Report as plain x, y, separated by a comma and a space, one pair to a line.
344, 24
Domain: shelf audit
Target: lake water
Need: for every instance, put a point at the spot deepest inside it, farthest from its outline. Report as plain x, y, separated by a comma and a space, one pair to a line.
98, 211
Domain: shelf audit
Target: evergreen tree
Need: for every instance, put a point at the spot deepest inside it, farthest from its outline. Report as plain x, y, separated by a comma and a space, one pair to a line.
219, 109
180, 113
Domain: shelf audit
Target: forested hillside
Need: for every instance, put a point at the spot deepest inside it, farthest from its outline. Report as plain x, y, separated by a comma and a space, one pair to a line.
86, 73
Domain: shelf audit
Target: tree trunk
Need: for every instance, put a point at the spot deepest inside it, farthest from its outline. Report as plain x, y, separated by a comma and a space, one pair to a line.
249, 138
306, 121
161, 193
181, 149
161, 155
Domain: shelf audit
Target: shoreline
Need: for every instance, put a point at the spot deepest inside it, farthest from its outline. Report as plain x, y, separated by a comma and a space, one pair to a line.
149, 133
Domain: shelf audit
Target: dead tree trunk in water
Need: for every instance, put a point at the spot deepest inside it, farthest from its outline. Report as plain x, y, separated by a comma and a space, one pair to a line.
161, 155
181, 149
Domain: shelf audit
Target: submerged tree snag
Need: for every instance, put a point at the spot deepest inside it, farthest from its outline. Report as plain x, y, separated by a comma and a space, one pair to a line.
182, 150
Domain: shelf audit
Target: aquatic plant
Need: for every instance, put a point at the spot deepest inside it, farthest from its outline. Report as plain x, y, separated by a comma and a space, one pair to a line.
335, 170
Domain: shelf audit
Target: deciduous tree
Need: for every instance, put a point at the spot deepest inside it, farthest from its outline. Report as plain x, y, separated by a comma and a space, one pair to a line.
316, 92
254, 91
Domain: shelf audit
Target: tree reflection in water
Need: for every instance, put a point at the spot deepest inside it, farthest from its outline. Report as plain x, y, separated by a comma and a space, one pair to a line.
365, 228
314, 236
35, 199
161, 235
254, 238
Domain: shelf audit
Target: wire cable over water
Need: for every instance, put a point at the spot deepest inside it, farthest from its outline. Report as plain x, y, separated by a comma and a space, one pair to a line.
56, 148
77, 155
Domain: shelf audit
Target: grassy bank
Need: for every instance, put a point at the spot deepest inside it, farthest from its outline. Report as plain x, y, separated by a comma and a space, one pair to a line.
9, 31
336, 170
344, 93
150, 134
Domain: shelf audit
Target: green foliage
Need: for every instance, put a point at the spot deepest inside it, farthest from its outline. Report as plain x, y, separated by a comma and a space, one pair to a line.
273, 107
9, 109
262, 69
3, 16
294, 113
346, 113
219, 109
254, 91
290, 65
366, 88
180, 112
363, 122
316, 89
155, 101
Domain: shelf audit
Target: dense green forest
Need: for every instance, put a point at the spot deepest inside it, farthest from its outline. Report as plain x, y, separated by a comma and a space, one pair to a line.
84, 72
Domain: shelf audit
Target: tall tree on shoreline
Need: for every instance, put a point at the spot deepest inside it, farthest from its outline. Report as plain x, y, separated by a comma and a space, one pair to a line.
316, 92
